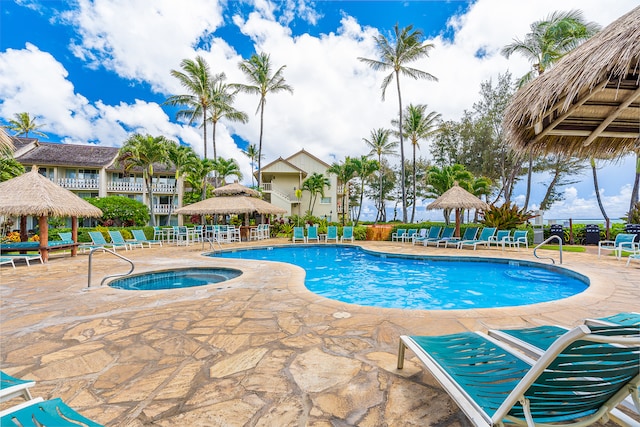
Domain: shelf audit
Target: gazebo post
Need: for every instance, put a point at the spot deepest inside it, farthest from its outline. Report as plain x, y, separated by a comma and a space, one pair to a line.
457, 232
74, 235
23, 228
43, 224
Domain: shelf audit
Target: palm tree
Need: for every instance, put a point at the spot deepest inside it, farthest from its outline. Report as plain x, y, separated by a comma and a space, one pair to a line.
252, 153
549, 40
440, 180
380, 146
23, 124
143, 151
196, 171
221, 107
406, 47
180, 156
196, 78
418, 125
262, 81
315, 185
344, 172
226, 168
364, 168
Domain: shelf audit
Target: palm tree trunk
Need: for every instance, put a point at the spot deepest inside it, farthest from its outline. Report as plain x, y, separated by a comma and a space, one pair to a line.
597, 190
636, 184
413, 205
204, 130
260, 143
360, 207
547, 196
402, 175
381, 205
149, 183
529, 173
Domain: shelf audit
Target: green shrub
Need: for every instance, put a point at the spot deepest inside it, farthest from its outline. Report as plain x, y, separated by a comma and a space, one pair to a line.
118, 211
505, 217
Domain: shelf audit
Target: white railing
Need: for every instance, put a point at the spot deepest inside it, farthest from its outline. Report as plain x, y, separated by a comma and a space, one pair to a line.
163, 188
131, 187
164, 209
79, 184
266, 186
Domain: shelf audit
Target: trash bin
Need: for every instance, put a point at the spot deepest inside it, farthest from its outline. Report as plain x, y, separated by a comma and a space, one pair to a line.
538, 234
633, 229
557, 230
592, 234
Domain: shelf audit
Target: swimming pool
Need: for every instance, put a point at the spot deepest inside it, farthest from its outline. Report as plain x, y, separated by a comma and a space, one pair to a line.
175, 278
357, 276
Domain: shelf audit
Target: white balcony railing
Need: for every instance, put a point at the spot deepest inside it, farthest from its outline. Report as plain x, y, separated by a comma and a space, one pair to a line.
163, 209
137, 187
78, 184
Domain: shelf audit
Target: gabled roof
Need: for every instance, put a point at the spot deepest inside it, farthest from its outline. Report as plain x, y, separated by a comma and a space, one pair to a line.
285, 162
46, 153
306, 153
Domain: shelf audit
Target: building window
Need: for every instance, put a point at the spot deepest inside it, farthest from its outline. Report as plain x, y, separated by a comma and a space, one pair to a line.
325, 200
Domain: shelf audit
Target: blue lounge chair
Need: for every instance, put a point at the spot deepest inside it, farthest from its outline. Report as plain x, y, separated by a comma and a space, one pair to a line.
420, 235
398, 235
25, 257
141, 238
623, 241
347, 234
298, 234
500, 238
409, 235
494, 385
118, 239
312, 234
66, 237
430, 234
11, 387
520, 237
7, 260
469, 234
37, 412
485, 237
447, 234
332, 234
98, 241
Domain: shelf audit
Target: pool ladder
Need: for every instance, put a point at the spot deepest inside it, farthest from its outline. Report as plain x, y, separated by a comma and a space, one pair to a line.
544, 243
211, 241
111, 275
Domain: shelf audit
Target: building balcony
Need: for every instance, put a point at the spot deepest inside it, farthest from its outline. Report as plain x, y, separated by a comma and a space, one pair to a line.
78, 184
164, 209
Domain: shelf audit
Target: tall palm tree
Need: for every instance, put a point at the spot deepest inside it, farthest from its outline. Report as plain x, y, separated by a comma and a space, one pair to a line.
596, 186
23, 124
262, 80
226, 168
418, 125
405, 47
180, 156
144, 151
222, 98
344, 172
364, 168
380, 146
252, 153
549, 40
196, 78
195, 174
315, 185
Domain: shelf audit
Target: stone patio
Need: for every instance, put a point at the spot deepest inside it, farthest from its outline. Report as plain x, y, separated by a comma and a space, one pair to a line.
259, 350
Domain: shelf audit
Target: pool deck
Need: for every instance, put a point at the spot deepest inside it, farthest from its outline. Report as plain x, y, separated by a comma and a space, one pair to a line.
259, 350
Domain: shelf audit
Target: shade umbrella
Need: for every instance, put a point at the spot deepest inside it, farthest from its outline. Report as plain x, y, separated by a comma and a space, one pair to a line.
457, 198
587, 104
235, 189
33, 194
231, 205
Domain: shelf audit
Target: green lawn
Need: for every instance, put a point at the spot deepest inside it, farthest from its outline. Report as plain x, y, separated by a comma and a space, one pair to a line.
565, 248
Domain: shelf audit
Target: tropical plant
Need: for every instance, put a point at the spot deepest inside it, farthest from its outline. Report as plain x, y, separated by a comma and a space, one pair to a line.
405, 46
180, 156
221, 98
344, 172
263, 81
144, 151
315, 185
120, 210
10, 168
195, 175
226, 168
196, 78
380, 146
364, 168
506, 217
23, 124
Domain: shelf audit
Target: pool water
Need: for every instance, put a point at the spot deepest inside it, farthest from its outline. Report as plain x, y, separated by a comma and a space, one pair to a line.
356, 276
177, 278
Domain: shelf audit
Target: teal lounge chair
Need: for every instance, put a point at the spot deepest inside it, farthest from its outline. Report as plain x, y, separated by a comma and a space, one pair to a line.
332, 234
469, 234
495, 385
118, 239
409, 235
26, 258
447, 234
398, 235
431, 234
623, 242
11, 387
66, 237
7, 260
347, 234
420, 235
298, 234
141, 238
500, 238
99, 241
37, 412
519, 238
312, 234
485, 237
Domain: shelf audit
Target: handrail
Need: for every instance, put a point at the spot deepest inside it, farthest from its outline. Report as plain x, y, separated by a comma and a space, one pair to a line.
544, 243
211, 241
111, 275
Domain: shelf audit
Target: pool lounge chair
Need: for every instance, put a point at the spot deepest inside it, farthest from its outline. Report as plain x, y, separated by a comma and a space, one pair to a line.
99, 241
312, 234
38, 412
421, 235
11, 387
347, 234
432, 233
469, 234
623, 242
118, 239
7, 260
484, 239
409, 235
494, 384
519, 238
500, 238
332, 234
140, 237
66, 237
298, 234
26, 258
447, 233
398, 235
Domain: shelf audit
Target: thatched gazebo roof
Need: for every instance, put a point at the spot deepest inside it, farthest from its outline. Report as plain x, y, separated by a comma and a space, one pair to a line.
33, 194
230, 205
588, 104
457, 198
235, 189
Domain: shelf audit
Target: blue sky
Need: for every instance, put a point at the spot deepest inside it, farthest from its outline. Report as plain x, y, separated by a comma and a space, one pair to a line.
94, 71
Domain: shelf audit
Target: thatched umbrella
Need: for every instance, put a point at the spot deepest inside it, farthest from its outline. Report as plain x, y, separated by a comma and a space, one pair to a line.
235, 189
33, 194
231, 205
587, 104
457, 198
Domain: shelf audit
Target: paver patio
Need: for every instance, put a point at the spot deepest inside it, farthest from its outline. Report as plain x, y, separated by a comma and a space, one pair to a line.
259, 350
